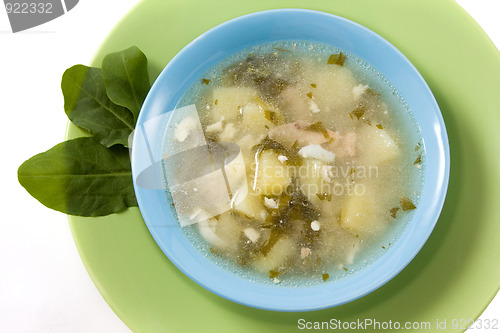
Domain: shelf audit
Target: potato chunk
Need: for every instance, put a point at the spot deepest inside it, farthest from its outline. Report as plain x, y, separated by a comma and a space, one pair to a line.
222, 233
229, 102
377, 146
246, 143
252, 207
254, 118
334, 87
362, 213
276, 257
272, 176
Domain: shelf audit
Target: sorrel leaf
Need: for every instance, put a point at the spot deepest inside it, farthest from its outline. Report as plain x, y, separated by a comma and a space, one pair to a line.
88, 106
80, 177
126, 78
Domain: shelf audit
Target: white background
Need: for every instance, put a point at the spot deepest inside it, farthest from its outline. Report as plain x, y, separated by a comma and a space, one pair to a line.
43, 284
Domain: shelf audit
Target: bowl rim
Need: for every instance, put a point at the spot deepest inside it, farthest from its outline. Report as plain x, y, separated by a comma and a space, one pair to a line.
316, 300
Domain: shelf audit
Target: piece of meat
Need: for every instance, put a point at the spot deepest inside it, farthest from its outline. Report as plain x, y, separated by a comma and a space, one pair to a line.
344, 146
298, 132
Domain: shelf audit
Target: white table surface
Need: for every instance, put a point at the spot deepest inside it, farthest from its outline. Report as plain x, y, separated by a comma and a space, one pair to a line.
43, 284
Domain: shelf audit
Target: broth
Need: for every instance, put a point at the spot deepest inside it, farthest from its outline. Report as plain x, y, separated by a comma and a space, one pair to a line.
332, 160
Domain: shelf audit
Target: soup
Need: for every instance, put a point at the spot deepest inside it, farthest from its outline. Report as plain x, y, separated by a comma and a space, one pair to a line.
325, 155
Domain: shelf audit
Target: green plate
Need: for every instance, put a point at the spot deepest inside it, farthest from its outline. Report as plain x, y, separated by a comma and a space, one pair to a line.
454, 276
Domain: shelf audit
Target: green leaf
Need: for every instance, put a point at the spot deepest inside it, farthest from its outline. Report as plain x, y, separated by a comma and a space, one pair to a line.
336, 59
80, 177
406, 204
88, 106
126, 78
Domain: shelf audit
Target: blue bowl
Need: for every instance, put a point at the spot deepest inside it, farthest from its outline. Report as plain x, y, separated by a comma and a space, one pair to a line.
274, 25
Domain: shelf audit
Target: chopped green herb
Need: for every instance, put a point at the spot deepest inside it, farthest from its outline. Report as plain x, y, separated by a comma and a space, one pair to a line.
352, 171
325, 276
276, 234
271, 116
394, 211
309, 94
256, 70
268, 144
358, 112
345, 269
313, 85
417, 147
262, 72
318, 127
205, 81
324, 196
296, 208
418, 160
380, 126
247, 250
299, 207
274, 273
406, 204
261, 103
216, 101
214, 251
383, 247
372, 92
293, 155
336, 59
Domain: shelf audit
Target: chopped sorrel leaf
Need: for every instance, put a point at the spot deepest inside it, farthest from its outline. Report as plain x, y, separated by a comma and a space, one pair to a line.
271, 116
318, 127
372, 92
274, 273
324, 196
336, 59
418, 159
406, 204
394, 211
358, 112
